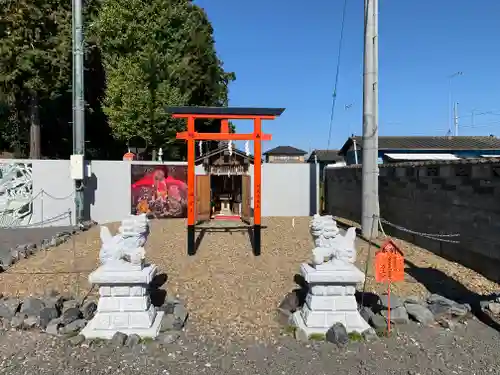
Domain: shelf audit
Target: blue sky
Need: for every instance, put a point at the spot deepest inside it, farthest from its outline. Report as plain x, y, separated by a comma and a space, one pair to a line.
284, 53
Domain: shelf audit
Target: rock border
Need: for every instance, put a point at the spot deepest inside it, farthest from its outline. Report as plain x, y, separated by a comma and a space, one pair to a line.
435, 311
64, 316
23, 251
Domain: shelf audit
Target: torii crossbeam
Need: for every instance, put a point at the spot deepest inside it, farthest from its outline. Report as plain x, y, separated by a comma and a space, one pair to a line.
224, 114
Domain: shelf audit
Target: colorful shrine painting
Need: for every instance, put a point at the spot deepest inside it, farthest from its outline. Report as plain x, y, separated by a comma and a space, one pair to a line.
159, 190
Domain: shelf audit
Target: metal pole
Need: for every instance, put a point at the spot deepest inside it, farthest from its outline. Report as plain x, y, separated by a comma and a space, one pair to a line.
455, 118
451, 105
78, 102
369, 204
318, 186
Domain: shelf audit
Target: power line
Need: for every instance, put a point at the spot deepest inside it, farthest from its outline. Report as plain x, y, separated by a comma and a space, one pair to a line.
334, 97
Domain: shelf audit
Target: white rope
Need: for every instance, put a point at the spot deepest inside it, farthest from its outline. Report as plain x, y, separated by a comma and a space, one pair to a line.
200, 147
230, 147
247, 149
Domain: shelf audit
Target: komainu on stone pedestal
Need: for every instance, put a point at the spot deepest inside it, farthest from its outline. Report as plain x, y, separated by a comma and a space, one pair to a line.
332, 278
123, 280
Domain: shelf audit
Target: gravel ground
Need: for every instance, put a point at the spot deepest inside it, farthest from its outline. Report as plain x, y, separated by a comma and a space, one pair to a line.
468, 349
227, 290
10, 238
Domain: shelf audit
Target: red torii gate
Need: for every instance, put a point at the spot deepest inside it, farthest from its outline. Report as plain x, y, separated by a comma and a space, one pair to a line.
224, 114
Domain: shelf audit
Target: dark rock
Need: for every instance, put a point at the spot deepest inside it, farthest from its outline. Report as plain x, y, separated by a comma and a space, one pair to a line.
70, 315
47, 314
442, 306
74, 326
370, 335
413, 300
7, 258
89, 309
32, 306
76, 340
9, 307
290, 302
378, 322
366, 313
337, 334
53, 327
119, 339
132, 340
180, 313
167, 322
398, 315
55, 301
395, 301
31, 322
494, 307
284, 317
17, 322
419, 313
70, 303
168, 338
22, 252
167, 307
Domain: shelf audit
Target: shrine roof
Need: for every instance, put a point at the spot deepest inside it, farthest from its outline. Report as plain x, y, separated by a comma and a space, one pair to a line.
222, 149
225, 111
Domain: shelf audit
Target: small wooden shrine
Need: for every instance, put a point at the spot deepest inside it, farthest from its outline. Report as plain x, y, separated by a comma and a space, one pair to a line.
225, 160
229, 181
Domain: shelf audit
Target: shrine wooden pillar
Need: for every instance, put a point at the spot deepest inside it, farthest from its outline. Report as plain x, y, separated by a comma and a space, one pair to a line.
191, 136
191, 246
257, 183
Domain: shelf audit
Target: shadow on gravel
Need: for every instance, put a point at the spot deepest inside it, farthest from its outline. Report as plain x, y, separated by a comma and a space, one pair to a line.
158, 295
302, 290
438, 282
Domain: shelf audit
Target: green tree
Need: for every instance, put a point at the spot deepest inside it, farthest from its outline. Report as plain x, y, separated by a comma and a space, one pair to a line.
35, 37
158, 53
36, 79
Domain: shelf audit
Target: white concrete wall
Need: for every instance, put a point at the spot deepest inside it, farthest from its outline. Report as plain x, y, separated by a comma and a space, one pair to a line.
287, 190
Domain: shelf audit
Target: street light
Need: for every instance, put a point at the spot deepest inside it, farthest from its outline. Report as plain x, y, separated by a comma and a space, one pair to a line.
450, 100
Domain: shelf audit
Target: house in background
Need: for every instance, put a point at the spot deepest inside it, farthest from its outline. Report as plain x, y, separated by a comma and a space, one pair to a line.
285, 154
398, 149
324, 158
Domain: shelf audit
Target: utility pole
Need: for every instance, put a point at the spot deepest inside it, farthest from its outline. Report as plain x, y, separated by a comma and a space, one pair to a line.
78, 108
455, 118
370, 201
451, 106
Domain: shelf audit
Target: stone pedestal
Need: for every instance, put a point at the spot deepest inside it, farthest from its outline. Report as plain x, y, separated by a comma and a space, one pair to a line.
331, 298
124, 304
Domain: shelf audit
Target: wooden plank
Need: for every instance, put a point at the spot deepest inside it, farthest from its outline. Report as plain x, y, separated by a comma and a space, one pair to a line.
246, 198
203, 198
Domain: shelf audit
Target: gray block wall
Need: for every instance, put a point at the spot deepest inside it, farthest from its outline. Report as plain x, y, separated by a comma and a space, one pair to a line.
443, 198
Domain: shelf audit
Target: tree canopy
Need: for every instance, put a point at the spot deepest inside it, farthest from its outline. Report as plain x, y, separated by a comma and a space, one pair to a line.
157, 53
140, 57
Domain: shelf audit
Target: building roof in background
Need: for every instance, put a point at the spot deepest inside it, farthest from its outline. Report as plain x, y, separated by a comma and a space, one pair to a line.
429, 143
285, 150
325, 156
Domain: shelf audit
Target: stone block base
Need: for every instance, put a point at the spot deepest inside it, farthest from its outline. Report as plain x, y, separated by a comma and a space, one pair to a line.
322, 321
93, 330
